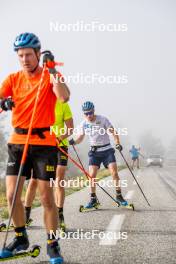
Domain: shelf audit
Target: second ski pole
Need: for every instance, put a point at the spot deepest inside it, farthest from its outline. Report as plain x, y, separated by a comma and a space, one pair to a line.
135, 178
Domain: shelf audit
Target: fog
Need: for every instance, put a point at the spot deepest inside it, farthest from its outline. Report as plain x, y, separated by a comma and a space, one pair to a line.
141, 53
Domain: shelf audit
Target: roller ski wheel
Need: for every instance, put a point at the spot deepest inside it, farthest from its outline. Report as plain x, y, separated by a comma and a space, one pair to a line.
83, 209
7, 255
35, 251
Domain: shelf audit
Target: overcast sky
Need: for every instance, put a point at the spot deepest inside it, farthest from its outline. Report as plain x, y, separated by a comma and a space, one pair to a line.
144, 54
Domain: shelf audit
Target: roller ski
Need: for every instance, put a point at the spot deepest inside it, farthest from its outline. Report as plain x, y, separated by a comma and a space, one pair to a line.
53, 251
18, 248
94, 204
122, 202
3, 226
34, 252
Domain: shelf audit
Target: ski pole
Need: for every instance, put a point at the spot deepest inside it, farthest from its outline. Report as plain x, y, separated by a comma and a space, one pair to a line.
134, 178
23, 159
81, 167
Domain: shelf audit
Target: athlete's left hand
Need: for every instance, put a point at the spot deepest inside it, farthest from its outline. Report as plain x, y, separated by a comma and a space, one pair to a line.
119, 147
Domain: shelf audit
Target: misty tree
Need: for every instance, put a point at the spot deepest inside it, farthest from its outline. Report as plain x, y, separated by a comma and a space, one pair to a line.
150, 144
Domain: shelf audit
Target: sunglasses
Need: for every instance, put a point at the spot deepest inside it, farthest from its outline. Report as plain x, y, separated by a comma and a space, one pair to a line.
89, 113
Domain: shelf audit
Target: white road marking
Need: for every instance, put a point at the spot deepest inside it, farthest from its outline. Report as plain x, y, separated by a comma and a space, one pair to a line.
112, 233
129, 195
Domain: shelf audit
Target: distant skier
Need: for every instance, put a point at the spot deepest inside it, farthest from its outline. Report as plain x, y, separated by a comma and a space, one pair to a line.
134, 156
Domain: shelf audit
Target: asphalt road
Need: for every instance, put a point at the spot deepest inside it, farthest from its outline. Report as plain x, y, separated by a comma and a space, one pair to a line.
146, 235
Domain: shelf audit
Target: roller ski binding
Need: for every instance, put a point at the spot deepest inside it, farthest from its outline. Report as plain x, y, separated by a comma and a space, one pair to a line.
122, 202
18, 249
92, 205
53, 251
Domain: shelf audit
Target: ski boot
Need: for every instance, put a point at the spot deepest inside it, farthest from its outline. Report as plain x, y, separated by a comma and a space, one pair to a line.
53, 251
122, 202
92, 205
19, 243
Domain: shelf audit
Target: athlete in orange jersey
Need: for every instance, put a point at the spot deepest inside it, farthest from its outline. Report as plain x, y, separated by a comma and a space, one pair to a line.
42, 152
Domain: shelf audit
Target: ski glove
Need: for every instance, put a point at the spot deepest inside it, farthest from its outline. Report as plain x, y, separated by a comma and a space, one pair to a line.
72, 142
7, 104
119, 147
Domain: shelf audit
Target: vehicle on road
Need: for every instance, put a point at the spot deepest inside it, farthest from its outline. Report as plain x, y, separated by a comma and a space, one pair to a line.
154, 160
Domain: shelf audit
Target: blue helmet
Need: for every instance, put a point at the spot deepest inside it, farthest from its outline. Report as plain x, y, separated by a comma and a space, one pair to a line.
87, 106
27, 40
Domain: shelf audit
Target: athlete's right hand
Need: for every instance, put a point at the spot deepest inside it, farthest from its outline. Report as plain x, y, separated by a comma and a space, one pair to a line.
48, 58
7, 104
119, 147
72, 142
